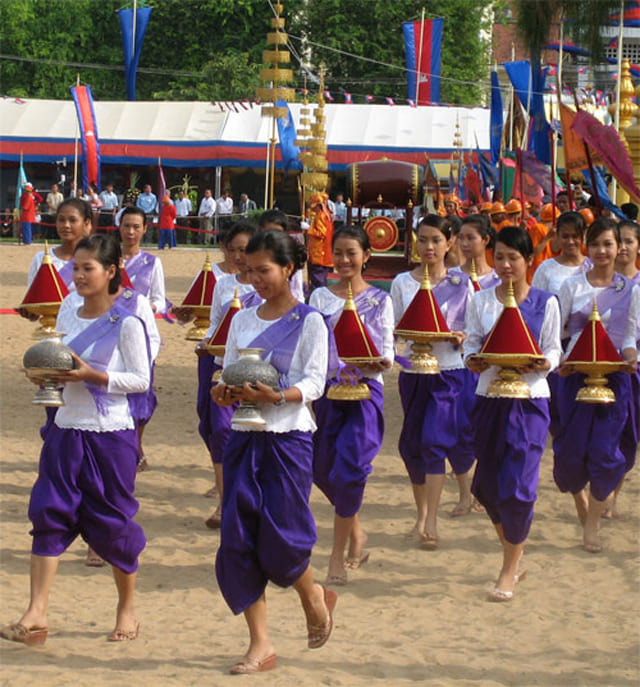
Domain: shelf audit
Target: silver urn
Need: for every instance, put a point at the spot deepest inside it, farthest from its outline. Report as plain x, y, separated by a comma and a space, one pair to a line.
43, 362
251, 368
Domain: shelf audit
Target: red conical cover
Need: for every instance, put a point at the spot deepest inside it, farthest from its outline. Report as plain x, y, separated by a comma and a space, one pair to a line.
47, 288
201, 293
476, 284
126, 282
594, 346
510, 335
220, 335
353, 341
423, 316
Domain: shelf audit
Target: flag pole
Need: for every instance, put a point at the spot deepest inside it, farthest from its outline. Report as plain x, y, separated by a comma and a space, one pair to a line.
559, 75
419, 65
614, 184
75, 151
512, 104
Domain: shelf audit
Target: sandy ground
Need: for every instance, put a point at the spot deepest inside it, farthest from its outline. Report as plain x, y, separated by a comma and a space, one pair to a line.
407, 617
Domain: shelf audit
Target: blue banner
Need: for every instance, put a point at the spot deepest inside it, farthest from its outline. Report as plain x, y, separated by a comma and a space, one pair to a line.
603, 191
529, 92
287, 135
497, 118
133, 48
20, 184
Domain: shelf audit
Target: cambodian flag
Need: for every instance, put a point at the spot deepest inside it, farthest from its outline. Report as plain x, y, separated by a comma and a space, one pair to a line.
88, 135
369, 98
410, 102
631, 16
426, 74
348, 100
328, 96
390, 101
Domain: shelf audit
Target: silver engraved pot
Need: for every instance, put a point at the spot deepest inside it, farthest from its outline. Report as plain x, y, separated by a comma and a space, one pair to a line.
252, 369
42, 363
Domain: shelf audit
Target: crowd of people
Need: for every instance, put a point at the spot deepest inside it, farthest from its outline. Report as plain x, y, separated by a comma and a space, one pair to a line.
553, 266
171, 220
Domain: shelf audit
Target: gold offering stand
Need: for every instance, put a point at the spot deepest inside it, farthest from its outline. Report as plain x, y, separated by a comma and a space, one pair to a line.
349, 388
422, 362
200, 312
509, 382
595, 389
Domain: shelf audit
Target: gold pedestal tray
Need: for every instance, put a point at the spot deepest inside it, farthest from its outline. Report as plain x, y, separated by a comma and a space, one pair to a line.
48, 312
595, 389
509, 383
350, 389
217, 350
201, 324
422, 362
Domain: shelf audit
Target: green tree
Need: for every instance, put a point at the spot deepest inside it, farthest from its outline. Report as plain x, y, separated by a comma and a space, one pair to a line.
212, 49
583, 20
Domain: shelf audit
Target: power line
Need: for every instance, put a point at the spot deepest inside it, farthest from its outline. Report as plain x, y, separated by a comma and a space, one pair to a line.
90, 65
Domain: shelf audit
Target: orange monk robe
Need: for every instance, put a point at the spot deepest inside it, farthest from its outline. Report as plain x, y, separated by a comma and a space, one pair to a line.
320, 237
537, 232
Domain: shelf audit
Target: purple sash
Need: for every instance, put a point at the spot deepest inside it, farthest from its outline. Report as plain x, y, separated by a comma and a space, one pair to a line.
248, 300
533, 308
281, 338
489, 280
615, 298
370, 306
105, 334
66, 272
454, 291
139, 268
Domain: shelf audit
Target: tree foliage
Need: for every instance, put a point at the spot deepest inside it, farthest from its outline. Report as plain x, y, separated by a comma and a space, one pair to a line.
212, 49
584, 19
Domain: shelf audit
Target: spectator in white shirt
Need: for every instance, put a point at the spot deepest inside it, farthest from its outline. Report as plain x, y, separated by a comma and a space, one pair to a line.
205, 213
184, 208
109, 206
224, 210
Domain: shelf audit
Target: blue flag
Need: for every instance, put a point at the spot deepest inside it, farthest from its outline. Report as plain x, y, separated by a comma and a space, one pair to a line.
22, 180
529, 91
603, 192
287, 135
133, 48
497, 120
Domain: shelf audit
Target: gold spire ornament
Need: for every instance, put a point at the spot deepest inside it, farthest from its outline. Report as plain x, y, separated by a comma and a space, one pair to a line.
275, 78
315, 177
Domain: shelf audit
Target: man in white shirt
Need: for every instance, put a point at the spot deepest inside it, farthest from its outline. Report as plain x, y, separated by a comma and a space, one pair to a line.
224, 210
184, 208
205, 213
109, 206
54, 198
340, 213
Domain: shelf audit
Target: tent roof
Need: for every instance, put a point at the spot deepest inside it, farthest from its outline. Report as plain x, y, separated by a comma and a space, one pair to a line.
199, 134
